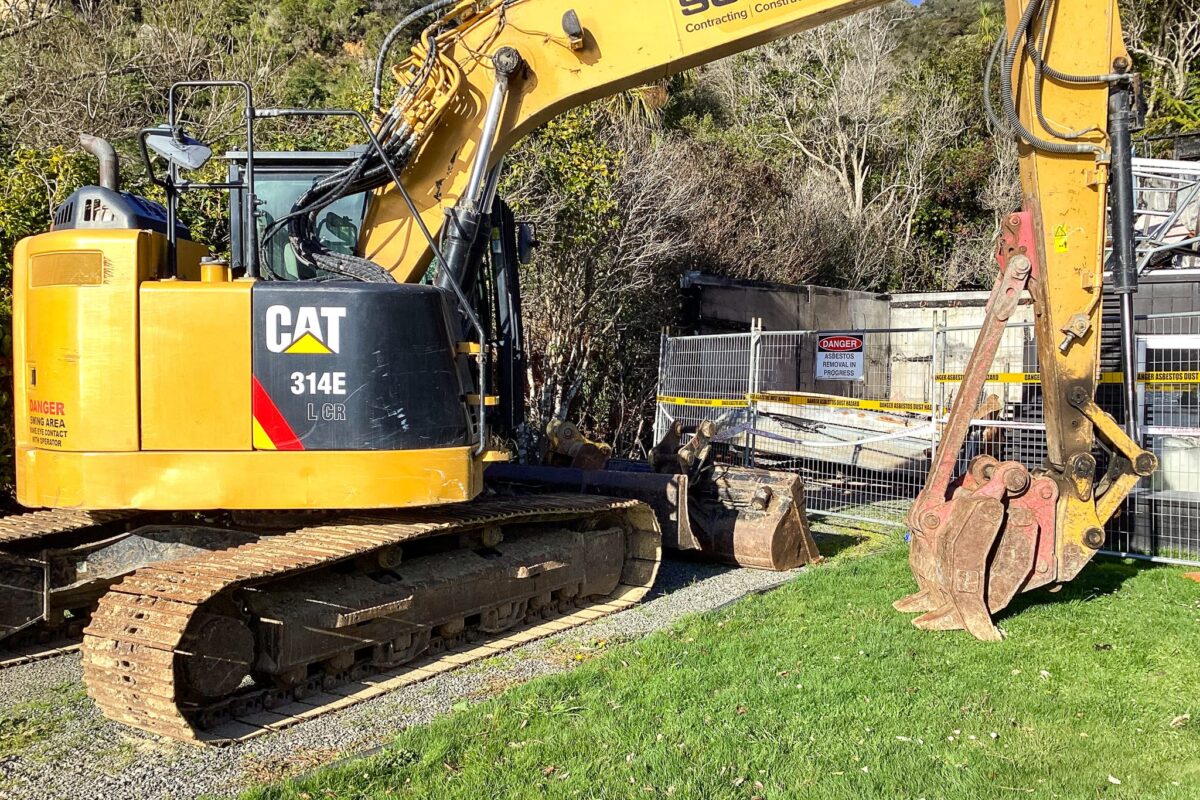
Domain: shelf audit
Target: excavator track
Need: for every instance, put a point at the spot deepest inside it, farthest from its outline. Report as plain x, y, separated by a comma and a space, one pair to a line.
28, 543
183, 649
17, 656
36, 526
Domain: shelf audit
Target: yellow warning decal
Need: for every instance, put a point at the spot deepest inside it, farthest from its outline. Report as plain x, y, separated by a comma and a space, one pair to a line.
704, 402
260, 439
1060, 239
308, 345
801, 399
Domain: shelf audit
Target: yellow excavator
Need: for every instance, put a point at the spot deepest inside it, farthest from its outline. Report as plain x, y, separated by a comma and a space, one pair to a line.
330, 396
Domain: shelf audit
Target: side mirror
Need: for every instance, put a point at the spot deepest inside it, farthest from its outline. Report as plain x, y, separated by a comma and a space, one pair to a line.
526, 241
185, 152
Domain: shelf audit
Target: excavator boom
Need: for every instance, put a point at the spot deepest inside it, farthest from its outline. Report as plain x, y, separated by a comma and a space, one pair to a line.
569, 54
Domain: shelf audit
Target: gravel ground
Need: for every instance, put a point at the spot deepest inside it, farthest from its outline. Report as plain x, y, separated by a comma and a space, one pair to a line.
67, 749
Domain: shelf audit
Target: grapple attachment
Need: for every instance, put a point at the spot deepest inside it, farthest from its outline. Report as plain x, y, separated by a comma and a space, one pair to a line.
1000, 529
978, 540
995, 537
748, 517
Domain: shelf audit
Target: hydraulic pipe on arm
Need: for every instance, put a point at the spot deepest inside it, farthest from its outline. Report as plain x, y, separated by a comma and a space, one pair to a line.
1124, 266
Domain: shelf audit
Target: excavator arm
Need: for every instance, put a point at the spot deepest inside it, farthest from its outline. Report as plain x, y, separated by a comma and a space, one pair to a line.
1068, 97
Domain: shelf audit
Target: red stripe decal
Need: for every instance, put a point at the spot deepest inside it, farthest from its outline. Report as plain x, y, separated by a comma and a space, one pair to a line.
272, 422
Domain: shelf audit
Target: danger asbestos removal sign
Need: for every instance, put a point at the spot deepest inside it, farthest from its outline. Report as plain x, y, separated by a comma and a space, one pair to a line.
840, 357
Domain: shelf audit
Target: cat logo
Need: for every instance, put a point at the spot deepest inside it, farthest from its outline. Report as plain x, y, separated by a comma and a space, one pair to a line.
316, 330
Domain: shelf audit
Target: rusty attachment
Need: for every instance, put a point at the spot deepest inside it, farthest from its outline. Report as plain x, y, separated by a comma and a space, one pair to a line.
738, 515
997, 534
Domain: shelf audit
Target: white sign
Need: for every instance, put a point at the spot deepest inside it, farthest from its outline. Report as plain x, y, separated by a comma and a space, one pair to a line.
840, 357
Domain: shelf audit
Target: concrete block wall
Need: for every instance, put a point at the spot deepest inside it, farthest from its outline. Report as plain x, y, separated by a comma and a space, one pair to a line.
1161, 297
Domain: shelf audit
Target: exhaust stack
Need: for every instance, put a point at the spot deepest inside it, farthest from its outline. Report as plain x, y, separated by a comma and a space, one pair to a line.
110, 165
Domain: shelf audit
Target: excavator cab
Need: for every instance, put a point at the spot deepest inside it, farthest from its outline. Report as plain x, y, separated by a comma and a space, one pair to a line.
280, 179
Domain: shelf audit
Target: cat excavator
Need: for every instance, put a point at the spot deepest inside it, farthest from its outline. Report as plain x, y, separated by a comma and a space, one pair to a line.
324, 404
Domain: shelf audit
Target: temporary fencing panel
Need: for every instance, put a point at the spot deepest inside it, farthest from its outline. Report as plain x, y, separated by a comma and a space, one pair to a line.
1164, 511
864, 446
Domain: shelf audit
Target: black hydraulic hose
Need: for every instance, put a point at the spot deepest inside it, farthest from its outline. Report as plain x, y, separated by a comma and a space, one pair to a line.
363, 171
1006, 92
1034, 51
390, 39
1042, 69
1035, 55
997, 123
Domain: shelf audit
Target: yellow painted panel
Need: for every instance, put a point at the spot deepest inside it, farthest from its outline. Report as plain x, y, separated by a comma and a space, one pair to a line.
195, 356
248, 479
75, 347
188, 255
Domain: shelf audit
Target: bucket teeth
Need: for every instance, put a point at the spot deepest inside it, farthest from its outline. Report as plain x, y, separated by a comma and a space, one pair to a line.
950, 617
917, 602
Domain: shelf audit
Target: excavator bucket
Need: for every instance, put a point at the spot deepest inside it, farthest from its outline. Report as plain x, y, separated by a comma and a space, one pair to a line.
736, 515
748, 517
752, 518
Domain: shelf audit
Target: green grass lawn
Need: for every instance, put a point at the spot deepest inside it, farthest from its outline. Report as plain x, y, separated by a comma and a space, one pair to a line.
821, 690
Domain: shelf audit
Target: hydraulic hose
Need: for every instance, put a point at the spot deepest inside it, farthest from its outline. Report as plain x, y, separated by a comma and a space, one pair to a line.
1034, 51
1006, 92
1035, 55
997, 123
390, 39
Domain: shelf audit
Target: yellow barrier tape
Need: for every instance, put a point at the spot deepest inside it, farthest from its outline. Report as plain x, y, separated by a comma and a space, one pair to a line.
705, 402
1105, 377
992, 377
799, 400
842, 402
